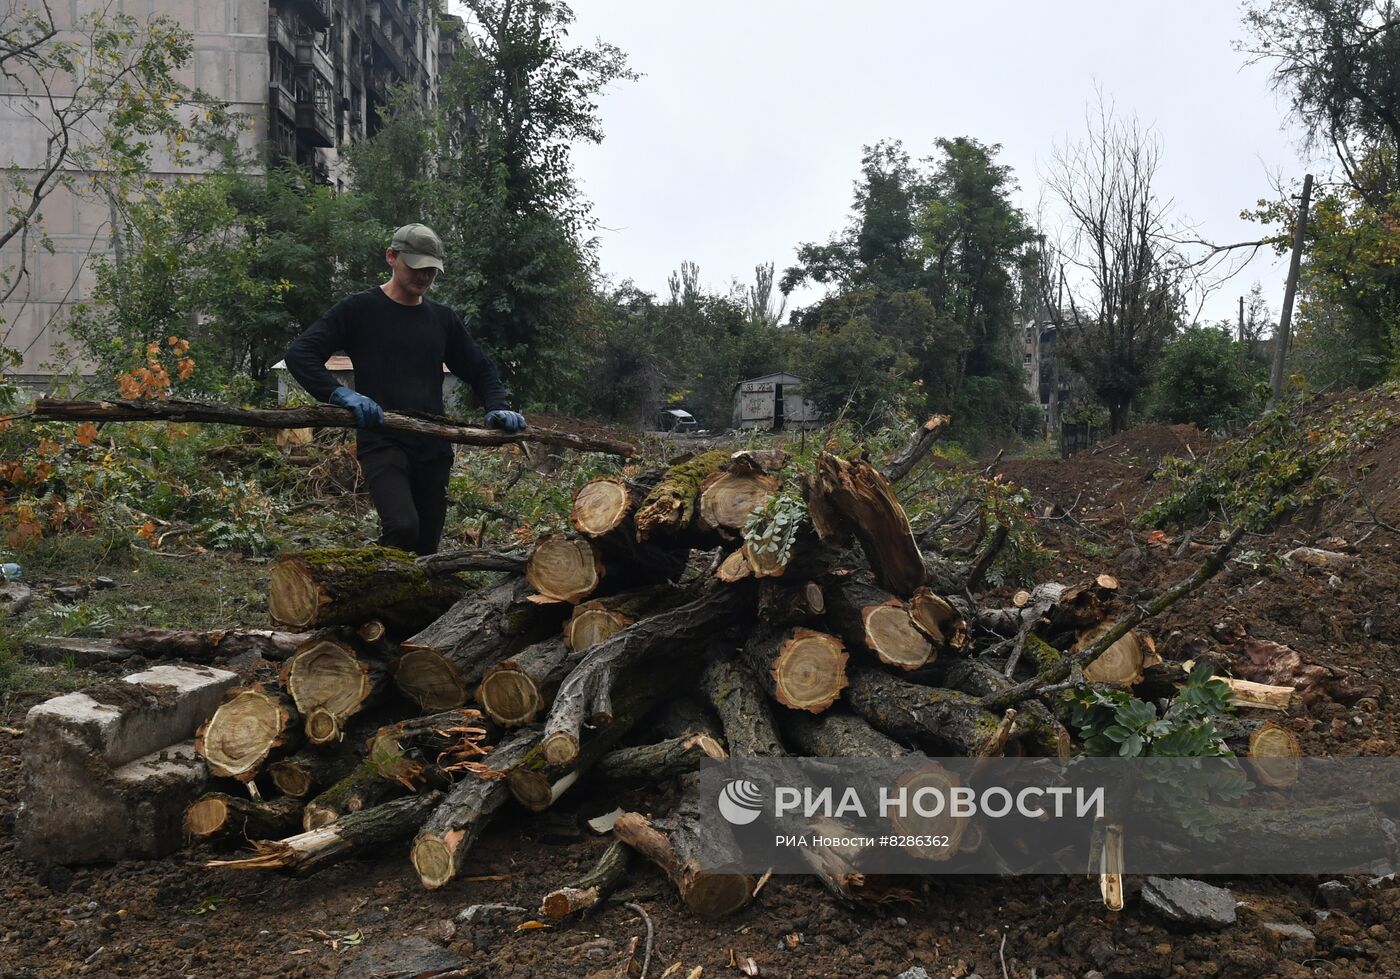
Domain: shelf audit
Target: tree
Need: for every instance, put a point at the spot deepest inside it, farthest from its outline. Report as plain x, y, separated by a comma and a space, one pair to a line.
489, 168
1114, 263
1203, 378
100, 95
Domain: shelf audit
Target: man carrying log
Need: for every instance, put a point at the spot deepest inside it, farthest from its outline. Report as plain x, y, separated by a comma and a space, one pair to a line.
398, 341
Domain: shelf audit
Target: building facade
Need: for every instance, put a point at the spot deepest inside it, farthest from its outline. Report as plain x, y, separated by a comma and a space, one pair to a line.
309, 77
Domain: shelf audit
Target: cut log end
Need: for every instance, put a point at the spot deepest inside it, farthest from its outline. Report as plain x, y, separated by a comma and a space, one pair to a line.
531, 789
568, 900
937, 619
432, 859
327, 674
206, 817
429, 678
315, 816
734, 568
293, 597
1121, 664
291, 780
601, 506
560, 748
728, 499
1275, 756
890, 632
509, 696
322, 726
810, 671
714, 895
565, 569
243, 732
590, 626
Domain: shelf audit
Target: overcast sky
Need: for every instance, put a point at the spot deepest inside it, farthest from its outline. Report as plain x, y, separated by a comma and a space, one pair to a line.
744, 135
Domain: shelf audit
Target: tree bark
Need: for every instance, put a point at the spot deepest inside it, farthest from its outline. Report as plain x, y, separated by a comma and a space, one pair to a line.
866, 502
918, 446
651, 763
1038, 727
949, 719
198, 646
216, 816
868, 617
670, 511
744, 712
837, 734
350, 586
313, 768
472, 559
785, 605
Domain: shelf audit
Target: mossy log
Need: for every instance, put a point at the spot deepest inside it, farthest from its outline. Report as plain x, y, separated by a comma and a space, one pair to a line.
216, 816
313, 768
514, 691
441, 846
837, 734
948, 719
745, 713
869, 617
441, 664
659, 644
592, 888
1036, 725
675, 846
372, 781
472, 559
650, 763
670, 512
245, 730
349, 586
801, 669
360, 832
866, 502
330, 681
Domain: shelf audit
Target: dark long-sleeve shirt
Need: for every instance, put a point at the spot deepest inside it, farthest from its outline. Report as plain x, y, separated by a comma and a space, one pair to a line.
398, 353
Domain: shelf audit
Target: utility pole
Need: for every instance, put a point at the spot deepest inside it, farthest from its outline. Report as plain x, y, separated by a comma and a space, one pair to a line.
1244, 351
1285, 321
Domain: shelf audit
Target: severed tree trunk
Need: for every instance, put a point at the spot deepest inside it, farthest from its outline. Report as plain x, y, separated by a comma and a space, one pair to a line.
369, 783
589, 890
837, 734
735, 567
950, 719
867, 616
472, 559
916, 448
349, 586
640, 653
198, 646
217, 816
1038, 727
440, 849
247, 727
594, 621
670, 511
514, 691
727, 499
783, 605
330, 682
744, 712
313, 768
603, 512
674, 845
800, 669
651, 763
939, 620
602, 506
442, 663
360, 832
566, 569
866, 502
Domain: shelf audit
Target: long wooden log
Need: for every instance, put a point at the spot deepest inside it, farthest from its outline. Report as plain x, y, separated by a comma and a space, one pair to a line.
920, 442
651, 763
350, 586
594, 621
313, 768
472, 559
360, 832
801, 669
744, 711
217, 816
796, 604
866, 502
674, 845
592, 888
603, 512
836, 734
949, 719
441, 664
204, 646
1037, 726
53, 409
657, 643
671, 510
441, 846
245, 729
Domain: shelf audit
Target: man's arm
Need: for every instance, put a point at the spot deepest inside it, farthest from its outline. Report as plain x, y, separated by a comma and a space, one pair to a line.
307, 355
467, 360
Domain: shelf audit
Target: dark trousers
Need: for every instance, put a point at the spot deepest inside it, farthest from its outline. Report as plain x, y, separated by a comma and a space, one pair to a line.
410, 493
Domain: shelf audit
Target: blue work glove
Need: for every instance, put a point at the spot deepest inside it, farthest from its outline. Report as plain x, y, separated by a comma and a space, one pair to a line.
368, 414
511, 421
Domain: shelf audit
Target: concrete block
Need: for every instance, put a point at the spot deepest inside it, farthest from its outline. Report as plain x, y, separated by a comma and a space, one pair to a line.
108, 774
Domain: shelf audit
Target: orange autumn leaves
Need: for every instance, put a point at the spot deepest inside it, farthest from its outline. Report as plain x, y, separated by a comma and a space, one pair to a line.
152, 382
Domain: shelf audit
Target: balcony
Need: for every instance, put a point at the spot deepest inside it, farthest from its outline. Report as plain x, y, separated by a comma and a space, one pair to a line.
384, 49
281, 100
279, 34
310, 55
315, 120
316, 13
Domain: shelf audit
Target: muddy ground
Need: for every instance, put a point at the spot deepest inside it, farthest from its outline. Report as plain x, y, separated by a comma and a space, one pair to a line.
371, 917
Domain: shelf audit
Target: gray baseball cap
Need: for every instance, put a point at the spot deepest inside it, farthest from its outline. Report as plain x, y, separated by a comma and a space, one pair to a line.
419, 246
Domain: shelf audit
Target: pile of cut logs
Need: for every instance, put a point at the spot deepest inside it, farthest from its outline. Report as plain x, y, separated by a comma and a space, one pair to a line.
410, 706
